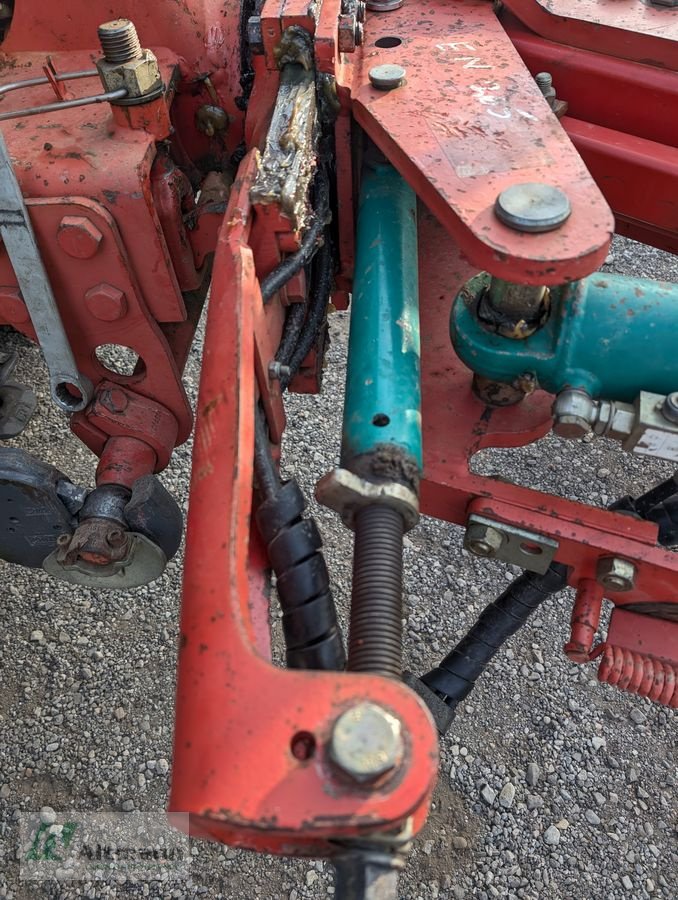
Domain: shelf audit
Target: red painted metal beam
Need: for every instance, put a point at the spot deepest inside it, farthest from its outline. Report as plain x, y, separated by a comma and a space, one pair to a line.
477, 124
629, 29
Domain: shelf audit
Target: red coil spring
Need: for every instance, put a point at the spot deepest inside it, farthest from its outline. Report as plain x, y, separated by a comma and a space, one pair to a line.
638, 673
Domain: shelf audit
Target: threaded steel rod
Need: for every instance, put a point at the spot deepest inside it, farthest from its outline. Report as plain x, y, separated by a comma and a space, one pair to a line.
375, 633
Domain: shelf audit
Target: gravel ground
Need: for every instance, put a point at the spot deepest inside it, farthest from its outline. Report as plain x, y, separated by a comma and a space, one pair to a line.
551, 785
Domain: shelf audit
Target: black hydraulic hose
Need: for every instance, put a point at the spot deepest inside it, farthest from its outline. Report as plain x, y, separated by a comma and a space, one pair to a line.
455, 676
313, 638
375, 633
310, 243
317, 309
294, 323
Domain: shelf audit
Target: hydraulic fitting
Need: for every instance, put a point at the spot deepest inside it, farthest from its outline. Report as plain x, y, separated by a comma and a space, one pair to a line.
127, 65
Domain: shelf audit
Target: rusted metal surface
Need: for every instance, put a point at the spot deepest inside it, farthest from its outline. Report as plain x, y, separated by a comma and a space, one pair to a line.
585, 620
629, 29
293, 805
481, 125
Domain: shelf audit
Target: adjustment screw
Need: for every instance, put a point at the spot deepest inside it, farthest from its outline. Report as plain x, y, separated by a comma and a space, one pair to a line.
670, 408
119, 41
483, 540
277, 371
387, 77
616, 574
532, 207
366, 742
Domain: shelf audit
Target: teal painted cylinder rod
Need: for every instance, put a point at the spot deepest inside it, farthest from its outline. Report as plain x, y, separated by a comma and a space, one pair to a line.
383, 390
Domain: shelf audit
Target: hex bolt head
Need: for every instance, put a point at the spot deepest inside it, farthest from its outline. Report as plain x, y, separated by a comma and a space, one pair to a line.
106, 302
616, 574
78, 237
12, 306
366, 742
387, 77
483, 540
255, 37
532, 207
277, 370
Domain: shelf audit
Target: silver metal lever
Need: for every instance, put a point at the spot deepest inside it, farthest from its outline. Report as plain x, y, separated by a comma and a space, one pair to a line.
66, 382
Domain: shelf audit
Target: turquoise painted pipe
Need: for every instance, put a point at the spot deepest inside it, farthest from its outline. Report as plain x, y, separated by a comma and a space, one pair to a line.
609, 335
383, 391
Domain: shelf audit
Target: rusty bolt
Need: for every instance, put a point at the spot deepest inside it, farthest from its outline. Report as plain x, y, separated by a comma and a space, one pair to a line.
616, 574
12, 306
347, 33
106, 302
366, 742
78, 237
483, 540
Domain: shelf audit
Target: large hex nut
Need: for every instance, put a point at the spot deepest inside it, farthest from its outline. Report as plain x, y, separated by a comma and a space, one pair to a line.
366, 742
483, 540
106, 302
78, 237
139, 77
616, 574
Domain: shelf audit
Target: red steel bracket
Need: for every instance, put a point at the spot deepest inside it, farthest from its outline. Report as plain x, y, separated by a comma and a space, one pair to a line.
237, 715
481, 125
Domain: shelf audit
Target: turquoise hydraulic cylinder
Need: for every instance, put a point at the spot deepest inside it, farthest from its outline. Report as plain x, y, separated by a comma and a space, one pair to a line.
383, 389
609, 335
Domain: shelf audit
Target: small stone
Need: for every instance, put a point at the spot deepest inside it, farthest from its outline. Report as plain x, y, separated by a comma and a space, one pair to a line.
64, 637
427, 847
51, 747
592, 817
162, 766
532, 774
311, 877
599, 798
637, 715
47, 815
119, 713
552, 836
626, 881
598, 743
534, 802
507, 795
127, 805
562, 825
488, 795
650, 886
459, 842
633, 775
37, 635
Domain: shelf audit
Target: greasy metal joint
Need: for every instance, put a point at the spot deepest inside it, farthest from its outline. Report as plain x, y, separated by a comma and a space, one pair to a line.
126, 65
513, 310
366, 743
347, 493
616, 574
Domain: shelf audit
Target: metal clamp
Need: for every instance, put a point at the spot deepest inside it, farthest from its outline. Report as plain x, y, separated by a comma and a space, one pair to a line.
497, 540
66, 382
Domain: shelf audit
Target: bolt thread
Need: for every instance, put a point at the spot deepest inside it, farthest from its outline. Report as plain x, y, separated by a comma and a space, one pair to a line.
119, 41
544, 79
375, 634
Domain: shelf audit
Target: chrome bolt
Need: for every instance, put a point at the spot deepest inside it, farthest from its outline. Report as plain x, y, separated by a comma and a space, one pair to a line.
483, 540
119, 41
387, 77
532, 207
277, 371
366, 742
616, 574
